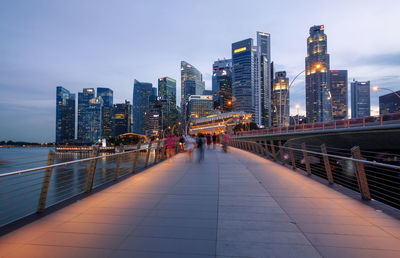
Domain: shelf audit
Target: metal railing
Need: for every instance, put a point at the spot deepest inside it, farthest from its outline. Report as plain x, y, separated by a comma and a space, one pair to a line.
28, 191
360, 171
370, 121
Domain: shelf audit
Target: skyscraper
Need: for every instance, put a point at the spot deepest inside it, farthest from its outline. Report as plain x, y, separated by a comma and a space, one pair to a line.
122, 118
389, 103
94, 123
264, 75
318, 105
65, 115
141, 93
107, 123
280, 100
190, 75
84, 98
222, 85
360, 99
167, 96
243, 76
153, 115
338, 80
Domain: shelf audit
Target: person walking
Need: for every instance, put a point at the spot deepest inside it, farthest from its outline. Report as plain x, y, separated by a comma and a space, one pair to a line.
225, 142
208, 141
170, 145
190, 146
200, 146
214, 140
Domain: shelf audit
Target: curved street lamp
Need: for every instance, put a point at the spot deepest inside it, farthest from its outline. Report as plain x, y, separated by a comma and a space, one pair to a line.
287, 92
376, 88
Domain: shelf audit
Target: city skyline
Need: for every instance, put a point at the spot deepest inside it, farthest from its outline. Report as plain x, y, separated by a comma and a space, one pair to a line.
34, 66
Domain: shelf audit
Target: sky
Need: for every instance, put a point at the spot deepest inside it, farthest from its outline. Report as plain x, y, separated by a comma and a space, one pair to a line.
97, 43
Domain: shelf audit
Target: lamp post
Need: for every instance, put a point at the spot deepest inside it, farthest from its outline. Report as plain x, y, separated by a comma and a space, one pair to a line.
287, 92
298, 111
376, 88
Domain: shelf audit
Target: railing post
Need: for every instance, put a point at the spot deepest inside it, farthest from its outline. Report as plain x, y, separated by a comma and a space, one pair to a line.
265, 143
46, 182
157, 152
327, 165
360, 172
148, 154
260, 148
92, 171
306, 161
292, 156
381, 119
281, 152
254, 147
136, 157
273, 150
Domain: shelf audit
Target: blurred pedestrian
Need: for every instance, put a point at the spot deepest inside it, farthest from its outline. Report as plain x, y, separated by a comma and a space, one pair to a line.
214, 140
225, 142
200, 146
208, 141
170, 145
190, 146
181, 143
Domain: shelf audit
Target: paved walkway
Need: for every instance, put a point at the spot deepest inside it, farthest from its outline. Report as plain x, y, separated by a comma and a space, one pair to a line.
233, 205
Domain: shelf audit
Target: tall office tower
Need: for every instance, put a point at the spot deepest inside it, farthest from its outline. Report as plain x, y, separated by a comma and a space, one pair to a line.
222, 85
389, 103
318, 105
122, 118
360, 99
94, 122
141, 94
153, 116
200, 105
167, 96
280, 100
65, 116
190, 76
84, 98
264, 75
107, 123
207, 92
243, 78
338, 80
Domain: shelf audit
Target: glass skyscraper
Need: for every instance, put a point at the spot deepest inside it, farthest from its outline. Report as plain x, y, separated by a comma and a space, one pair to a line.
338, 81
264, 78
190, 76
360, 99
84, 98
389, 103
167, 96
318, 105
107, 123
141, 94
65, 115
122, 118
280, 100
222, 85
243, 76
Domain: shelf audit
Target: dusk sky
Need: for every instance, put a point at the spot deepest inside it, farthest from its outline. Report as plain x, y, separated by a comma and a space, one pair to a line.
82, 44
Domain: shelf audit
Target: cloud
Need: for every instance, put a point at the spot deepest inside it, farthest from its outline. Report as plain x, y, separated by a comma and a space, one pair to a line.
387, 59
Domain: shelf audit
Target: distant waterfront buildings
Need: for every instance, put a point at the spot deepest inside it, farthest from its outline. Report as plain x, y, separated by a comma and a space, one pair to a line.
318, 105
122, 118
200, 105
280, 100
107, 123
338, 81
167, 97
389, 103
360, 99
222, 85
85, 115
141, 94
153, 116
65, 115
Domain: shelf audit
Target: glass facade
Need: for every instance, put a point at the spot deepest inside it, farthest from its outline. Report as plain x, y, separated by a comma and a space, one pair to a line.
318, 104
65, 115
243, 76
84, 98
153, 116
360, 99
264, 76
222, 85
141, 94
107, 124
338, 81
280, 100
167, 96
389, 103
189, 72
122, 118
200, 105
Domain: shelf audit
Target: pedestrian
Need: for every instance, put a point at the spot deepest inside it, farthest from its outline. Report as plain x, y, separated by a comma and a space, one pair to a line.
225, 142
214, 140
208, 141
200, 146
190, 146
170, 145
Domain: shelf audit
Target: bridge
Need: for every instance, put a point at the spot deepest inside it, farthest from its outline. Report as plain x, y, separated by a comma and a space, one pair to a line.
244, 203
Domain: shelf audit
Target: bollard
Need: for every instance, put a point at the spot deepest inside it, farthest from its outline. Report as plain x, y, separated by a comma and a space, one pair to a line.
136, 157
306, 161
360, 172
157, 152
282, 154
92, 171
273, 150
292, 156
46, 182
148, 155
327, 165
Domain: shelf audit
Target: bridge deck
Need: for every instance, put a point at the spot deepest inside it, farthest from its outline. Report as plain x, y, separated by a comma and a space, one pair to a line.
235, 204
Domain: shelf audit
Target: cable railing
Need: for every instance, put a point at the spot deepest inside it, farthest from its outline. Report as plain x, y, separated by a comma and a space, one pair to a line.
28, 191
348, 168
370, 121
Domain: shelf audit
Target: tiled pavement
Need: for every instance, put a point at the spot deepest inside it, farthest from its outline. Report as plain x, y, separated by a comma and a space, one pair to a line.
232, 205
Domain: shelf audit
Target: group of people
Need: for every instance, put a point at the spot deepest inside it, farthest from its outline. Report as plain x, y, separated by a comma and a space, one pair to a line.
190, 142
